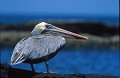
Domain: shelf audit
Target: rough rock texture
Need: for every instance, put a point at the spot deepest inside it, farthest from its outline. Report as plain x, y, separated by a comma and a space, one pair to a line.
46, 75
9, 72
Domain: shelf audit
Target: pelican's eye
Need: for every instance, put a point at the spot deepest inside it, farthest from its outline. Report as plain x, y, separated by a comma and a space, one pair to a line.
48, 26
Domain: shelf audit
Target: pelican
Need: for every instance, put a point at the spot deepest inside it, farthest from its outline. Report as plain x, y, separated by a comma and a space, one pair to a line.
46, 41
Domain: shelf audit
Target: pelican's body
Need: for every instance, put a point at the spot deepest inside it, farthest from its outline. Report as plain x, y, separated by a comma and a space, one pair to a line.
45, 43
33, 49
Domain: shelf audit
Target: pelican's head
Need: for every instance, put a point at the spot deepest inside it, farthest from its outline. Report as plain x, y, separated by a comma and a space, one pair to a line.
44, 27
39, 28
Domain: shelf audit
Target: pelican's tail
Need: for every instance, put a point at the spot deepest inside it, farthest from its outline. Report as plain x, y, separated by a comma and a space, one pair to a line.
17, 58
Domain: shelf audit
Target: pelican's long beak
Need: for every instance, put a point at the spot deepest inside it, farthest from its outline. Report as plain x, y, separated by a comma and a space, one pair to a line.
56, 29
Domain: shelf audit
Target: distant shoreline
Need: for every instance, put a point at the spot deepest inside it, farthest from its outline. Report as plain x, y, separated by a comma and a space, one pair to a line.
23, 18
100, 35
10, 39
98, 29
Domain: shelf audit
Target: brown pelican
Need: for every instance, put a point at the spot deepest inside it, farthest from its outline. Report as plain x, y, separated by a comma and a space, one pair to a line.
45, 43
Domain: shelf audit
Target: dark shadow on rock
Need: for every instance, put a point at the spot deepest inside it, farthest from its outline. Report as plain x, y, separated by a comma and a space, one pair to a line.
8, 72
55, 75
46, 75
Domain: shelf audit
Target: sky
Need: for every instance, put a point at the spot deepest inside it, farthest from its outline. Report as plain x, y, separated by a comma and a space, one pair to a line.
66, 7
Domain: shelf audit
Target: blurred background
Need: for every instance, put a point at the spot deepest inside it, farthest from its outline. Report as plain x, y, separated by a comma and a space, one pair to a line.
96, 19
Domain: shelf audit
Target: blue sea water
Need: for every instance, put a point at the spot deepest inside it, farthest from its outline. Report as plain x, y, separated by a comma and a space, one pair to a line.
23, 18
103, 61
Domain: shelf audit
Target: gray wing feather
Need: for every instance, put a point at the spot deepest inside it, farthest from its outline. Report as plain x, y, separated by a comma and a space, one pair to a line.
45, 46
19, 55
36, 47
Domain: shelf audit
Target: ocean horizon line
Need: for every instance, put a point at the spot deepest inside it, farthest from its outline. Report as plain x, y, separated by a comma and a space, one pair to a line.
21, 18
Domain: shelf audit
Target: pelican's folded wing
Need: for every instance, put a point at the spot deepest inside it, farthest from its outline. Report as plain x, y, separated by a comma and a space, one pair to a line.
36, 47
23, 49
45, 46
18, 55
